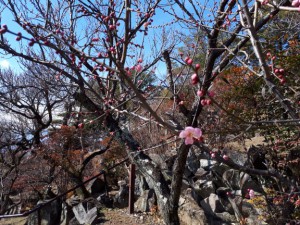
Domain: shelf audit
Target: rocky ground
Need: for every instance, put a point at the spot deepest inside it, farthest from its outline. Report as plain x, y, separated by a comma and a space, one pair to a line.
108, 217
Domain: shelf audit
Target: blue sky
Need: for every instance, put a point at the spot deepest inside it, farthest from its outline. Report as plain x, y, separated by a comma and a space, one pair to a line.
5, 60
8, 60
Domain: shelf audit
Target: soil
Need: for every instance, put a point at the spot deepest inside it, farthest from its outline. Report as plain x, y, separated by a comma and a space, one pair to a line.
108, 217
122, 217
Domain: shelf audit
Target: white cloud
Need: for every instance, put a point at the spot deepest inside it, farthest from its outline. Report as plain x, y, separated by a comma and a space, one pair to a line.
4, 64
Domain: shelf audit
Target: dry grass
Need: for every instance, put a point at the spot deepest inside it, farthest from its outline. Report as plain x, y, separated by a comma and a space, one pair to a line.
248, 142
13, 221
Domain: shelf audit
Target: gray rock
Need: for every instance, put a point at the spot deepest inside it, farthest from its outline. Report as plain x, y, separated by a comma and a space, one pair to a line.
73, 200
79, 212
200, 174
222, 191
158, 160
248, 209
5, 204
187, 172
232, 177
85, 214
193, 163
227, 203
66, 214
96, 186
237, 156
251, 214
167, 175
204, 188
189, 211
140, 185
106, 200
219, 169
121, 199
207, 163
251, 184
145, 202
202, 155
48, 215
212, 204
74, 221
227, 217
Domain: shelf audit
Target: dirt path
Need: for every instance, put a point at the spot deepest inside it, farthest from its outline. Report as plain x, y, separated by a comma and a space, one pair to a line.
122, 217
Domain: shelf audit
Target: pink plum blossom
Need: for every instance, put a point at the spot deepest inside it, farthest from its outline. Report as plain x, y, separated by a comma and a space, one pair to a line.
189, 133
295, 3
138, 68
251, 193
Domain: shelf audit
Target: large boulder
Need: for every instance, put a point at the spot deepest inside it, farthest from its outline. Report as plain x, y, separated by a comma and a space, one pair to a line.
189, 211
66, 214
140, 185
232, 177
146, 201
96, 186
193, 163
50, 214
84, 215
212, 204
159, 160
5, 204
86, 212
122, 197
204, 188
227, 218
207, 163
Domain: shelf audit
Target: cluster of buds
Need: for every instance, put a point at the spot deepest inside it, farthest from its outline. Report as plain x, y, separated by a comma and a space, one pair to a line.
279, 72
3, 29
19, 36
188, 61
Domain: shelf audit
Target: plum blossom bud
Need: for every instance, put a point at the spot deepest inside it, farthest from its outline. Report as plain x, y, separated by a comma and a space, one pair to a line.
225, 157
211, 94
189, 62
200, 93
138, 68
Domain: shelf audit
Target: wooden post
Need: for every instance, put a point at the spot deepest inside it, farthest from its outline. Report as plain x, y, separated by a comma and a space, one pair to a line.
131, 188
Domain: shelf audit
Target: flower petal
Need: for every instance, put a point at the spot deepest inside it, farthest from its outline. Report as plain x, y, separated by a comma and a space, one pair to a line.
189, 141
189, 129
197, 133
183, 134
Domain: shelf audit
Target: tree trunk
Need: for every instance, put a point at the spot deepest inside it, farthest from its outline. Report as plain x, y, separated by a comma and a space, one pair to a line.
150, 172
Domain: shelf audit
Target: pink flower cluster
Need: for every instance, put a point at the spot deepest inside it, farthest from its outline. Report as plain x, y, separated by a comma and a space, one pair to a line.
190, 134
296, 3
